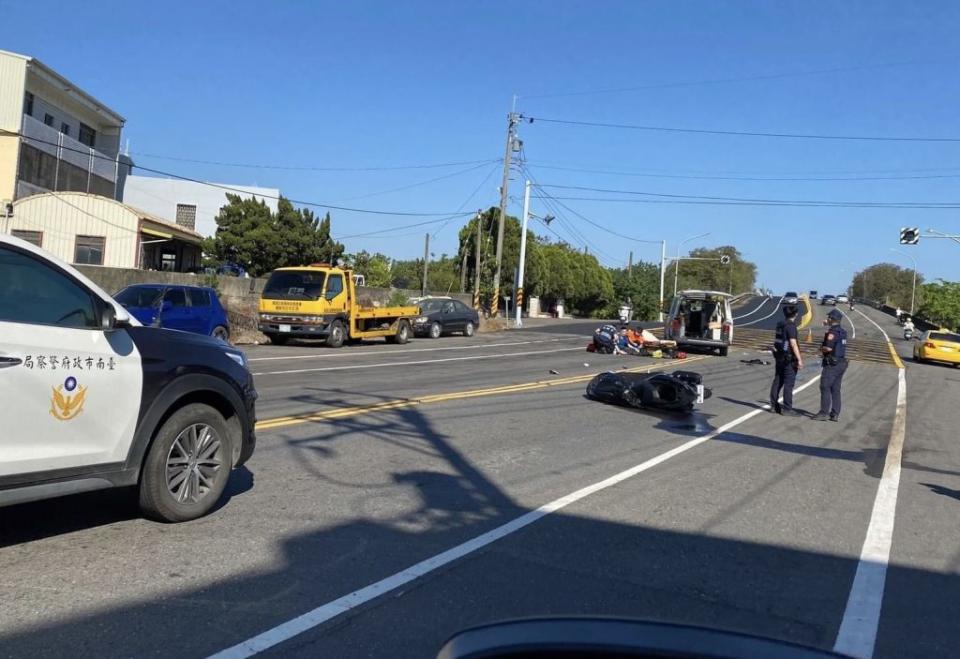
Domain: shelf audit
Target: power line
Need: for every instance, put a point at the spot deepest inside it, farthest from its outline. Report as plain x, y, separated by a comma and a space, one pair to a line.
699, 131
703, 177
720, 81
420, 183
467, 200
228, 188
311, 168
805, 202
748, 203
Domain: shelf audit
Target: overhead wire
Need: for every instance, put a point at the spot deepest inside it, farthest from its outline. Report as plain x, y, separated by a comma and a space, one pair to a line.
468, 199
695, 202
420, 183
228, 188
740, 133
790, 202
312, 168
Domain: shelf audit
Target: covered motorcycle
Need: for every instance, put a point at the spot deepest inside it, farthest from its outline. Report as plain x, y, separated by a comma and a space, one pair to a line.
672, 392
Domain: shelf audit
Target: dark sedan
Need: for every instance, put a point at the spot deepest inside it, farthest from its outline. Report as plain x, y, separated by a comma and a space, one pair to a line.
442, 315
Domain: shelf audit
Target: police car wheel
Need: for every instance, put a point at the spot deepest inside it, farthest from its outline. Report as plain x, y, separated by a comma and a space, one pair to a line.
468, 330
435, 330
188, 465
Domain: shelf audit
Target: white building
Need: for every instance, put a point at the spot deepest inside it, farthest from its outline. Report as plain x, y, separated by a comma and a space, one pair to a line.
191, 205
89, 229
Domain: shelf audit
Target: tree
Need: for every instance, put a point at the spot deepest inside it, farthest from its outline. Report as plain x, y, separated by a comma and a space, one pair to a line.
738, 276
576, 278
375, 268
941, 304
261, 241
887, 283
641, 286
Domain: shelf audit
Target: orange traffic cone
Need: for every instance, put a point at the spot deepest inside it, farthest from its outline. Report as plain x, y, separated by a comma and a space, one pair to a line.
809, 335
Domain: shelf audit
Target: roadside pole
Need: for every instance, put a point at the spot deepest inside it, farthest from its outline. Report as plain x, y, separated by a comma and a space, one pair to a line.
511, 124
663, 267
518, 304
426, 264
476, 266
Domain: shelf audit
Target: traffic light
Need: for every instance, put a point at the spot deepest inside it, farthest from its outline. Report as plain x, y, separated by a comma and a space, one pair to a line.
909, 235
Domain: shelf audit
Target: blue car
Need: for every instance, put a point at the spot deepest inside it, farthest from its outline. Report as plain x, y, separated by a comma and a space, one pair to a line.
187, 308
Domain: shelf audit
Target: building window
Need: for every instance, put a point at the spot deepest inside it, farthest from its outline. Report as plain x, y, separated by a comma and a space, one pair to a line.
89, 250
28, 104
187, 216
32, 237
48, 119
87, 135
65, 128
168, 261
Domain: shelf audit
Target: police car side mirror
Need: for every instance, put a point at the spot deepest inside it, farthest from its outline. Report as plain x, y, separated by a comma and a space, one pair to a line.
108, 318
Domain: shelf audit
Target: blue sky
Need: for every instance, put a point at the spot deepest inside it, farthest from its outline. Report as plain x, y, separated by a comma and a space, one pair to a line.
373, 84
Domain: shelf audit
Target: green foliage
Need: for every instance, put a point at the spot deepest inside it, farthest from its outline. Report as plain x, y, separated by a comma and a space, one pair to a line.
212, 281
888, 284
641, 287
398, 299
259, 240
443, 275
941, 304
375, 268
739, 276
488, 252
577, 278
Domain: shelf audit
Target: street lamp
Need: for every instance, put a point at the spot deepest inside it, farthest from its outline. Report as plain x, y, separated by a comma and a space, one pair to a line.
913, 291
676, 264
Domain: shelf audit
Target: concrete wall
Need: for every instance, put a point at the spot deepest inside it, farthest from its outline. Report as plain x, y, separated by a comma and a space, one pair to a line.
237, 293
160, 196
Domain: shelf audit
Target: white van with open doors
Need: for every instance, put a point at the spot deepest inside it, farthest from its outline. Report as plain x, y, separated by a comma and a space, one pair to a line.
701, 319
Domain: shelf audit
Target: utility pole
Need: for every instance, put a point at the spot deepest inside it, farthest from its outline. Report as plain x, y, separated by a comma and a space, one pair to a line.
426, 263
663, 267
518, 303
476, 267
630, 265
463, 273
512, 120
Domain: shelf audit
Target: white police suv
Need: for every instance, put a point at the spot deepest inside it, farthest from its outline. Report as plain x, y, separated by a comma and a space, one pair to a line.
89, 399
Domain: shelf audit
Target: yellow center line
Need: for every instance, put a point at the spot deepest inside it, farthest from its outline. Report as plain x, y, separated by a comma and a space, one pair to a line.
286, 421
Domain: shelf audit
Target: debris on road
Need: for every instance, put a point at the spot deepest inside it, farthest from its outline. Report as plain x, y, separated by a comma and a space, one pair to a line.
755, 361
554, 371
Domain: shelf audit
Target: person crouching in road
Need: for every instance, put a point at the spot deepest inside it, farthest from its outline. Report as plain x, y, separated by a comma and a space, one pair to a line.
787, 360
834, 351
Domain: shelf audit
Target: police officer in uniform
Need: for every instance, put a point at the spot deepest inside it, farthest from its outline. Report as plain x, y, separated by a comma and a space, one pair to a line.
834, 351
786, 353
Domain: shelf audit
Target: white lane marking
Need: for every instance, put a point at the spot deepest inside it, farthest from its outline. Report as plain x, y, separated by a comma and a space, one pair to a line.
349, 353
874, 323
760, 306
776, 308
861, 618
420, 362
853, 327
330, 610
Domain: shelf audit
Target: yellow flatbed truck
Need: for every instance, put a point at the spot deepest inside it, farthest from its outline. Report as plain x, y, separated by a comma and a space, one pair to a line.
319, 301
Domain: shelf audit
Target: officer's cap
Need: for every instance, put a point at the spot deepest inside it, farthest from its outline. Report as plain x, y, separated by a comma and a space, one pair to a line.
835, 314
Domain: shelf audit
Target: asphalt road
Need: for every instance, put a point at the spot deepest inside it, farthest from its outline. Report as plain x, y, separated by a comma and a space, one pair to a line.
388, 457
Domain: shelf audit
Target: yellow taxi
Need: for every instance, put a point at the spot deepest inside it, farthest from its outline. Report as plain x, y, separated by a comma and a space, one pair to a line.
938, 346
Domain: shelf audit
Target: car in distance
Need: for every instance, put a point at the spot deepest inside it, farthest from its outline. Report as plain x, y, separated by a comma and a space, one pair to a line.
813, 295
94, 400
842, 299
828, 299
791, 297
442, 315
194, 309
937, 346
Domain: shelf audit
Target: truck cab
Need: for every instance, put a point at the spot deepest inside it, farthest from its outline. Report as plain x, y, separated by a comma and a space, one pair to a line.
319, 301
701, 319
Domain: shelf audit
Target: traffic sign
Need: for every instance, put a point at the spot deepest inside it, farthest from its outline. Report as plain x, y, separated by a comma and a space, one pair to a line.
724, 260
909, 235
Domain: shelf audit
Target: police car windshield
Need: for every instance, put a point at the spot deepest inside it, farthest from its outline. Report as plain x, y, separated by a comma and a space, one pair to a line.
139, 296
294, 285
